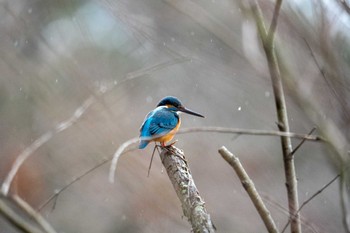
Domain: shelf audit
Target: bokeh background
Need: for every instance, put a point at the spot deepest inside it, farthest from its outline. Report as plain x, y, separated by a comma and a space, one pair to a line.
127, 55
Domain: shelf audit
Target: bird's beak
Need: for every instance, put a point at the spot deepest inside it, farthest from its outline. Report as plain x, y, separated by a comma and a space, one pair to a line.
186, 110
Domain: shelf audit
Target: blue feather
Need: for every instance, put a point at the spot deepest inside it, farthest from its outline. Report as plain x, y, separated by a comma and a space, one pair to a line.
157, 123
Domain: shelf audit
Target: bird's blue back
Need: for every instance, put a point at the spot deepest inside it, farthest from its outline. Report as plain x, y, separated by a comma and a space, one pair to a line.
157, 123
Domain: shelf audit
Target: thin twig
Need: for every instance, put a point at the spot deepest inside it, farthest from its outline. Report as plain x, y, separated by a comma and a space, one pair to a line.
116, 156
273, 26
256, 132
303, 141
332, 89
58, 192
21, 158
310, 198
250, 188
307, 224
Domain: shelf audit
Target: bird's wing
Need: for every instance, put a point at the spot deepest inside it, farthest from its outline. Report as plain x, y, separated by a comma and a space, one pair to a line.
158, 122
145, 120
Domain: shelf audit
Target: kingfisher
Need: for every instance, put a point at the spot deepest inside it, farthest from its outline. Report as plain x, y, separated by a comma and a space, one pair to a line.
161, 124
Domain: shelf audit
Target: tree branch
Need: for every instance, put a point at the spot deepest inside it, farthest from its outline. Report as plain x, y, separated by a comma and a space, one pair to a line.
274, 21
312, 197
13, 212
21, 158
250, 188
345, 5
33, 214
180, 176
253, 132
117, 154
302, 141
345, 199
282, 116
55, 195
121, 149
306, 223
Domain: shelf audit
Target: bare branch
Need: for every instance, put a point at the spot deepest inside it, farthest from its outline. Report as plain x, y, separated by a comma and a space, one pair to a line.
251, 132
302, 141
307, 224
17, 220
21, 158
135, 140
345, 5
58, 192
341, 101
282, 116
345, 199
9, 206
312, 197
33, 214
116, 156
250, 188
180, 176
274, 21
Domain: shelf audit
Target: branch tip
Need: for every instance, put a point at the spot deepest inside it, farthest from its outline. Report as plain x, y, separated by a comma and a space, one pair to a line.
249, 186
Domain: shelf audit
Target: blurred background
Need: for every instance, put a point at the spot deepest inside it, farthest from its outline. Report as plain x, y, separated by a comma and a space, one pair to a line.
126, 56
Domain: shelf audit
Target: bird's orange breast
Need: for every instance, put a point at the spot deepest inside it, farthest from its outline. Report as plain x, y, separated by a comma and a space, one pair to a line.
169, 136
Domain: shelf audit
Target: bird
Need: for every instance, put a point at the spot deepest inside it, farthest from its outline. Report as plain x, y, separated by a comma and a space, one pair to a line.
161, 124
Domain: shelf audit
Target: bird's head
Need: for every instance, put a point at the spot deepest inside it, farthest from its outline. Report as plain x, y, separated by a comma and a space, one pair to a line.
174, 104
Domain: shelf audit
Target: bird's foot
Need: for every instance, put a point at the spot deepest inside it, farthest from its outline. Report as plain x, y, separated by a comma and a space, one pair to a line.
170, 145
172, 149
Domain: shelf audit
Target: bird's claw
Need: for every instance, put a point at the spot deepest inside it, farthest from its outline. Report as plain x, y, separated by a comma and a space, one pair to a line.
171, 144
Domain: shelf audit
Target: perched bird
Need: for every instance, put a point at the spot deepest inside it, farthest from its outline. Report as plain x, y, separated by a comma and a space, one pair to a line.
161, 124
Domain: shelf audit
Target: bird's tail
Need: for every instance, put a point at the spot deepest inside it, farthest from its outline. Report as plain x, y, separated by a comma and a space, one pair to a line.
143, 144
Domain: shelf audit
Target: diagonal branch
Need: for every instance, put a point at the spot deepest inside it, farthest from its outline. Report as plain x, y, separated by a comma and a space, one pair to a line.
117, 154
21, 158
345, 5
250, 188
33, 214
23, 216
312, 197
58, 192
307, 224
17, 220
302, 141
337, 96
192, 203
274, 21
